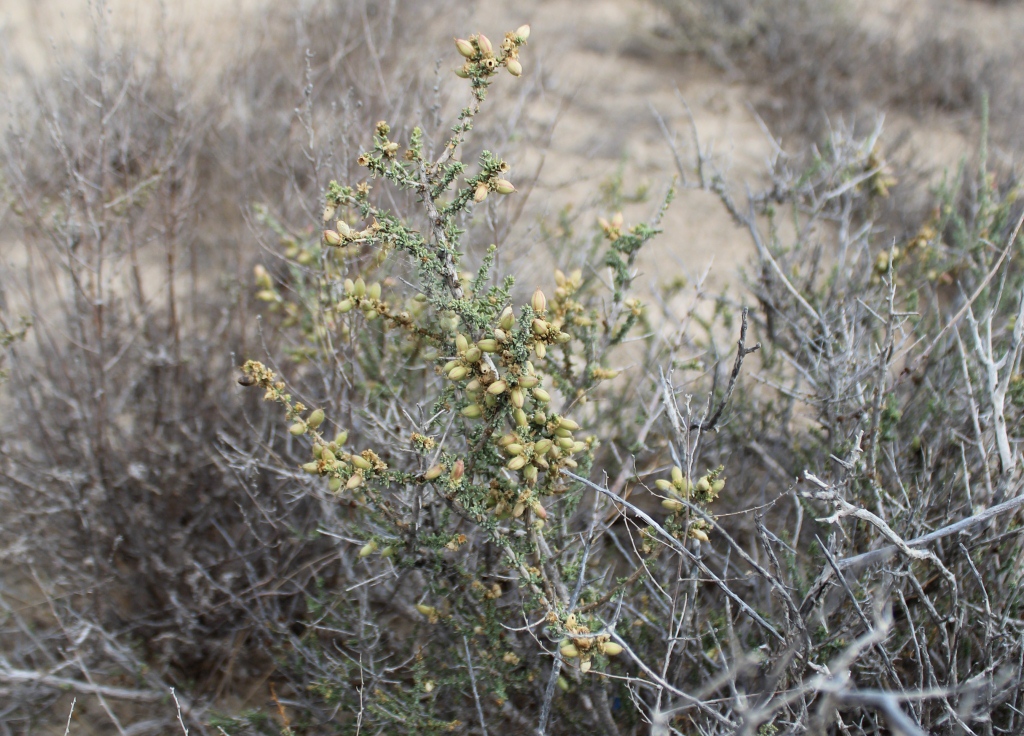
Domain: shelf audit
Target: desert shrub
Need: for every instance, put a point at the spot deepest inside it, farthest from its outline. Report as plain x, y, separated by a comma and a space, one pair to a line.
527, 539
131, 551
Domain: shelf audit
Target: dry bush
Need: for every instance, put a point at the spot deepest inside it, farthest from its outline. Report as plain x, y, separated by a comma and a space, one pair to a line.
130, 549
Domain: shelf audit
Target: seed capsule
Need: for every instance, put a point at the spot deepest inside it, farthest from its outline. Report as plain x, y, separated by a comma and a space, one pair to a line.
542, 446
316, 418
461, 343
514, 449
516, 463
703, 485
488, 346
672, 505
507, 319
541, 395
480, 194
341, 438
539, 510
334, 485
503, 186
327, 456
514, 67
528, 381
373, 291
473, 355
569, 651
540, 327
354, 482
485, 45
345, 305
540, 350
426, 610
585, 666
530, 473
473, 411
611, 648
465, 48
566, 443
311, 468
350, 286
332, 238
368, 549
517, 397
520, 416
433, 472
718, 485
298, 429
539, 302
462, 72
359, 288
497, 388
566, 423
360, 462
523, 33
677, 475
700, 535
458, 373
664, 485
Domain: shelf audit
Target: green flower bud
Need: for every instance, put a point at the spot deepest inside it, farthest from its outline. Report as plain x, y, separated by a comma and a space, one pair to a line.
516, 463
458, 373
332, 238
539, 303
503, 186
465, 48
523, 33
672, 504
473, 411
373, 291
541, 395
611, 648
514, 67
345, 305
520, 416
517, 397
664, 485
528, 381
514, 449
703, 485
542, 446
530, 473
298, 429
360, 462
354, 482
540, 349
497, 388
566, 423
677, 475
359, 288
316, 418
334, 485
569, 651
368, 549
540, 327
488, 346
311, 468
461, 343
473, 355
433, 472
341, 438
507, 319
718, 485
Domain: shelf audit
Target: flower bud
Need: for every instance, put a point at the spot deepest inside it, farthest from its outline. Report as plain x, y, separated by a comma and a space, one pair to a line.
345, 305
503, 186
566, 423
518, 399
387, 552
497, 388
488, 346
530, 473
350, 287
514, 449
262, 277
298, 429
539, 510
473, 411
520, 416
373, 291
540, 327
334, 485
516, 463
566, 443
354, 482
368, 549
458, 373
540, 349
569, 651
462, 72
542, 446
539, 302
507, 440
672, 504
332, 238
341, 438
327, 456
699, 534
433, 472
541, 395
312, 468
316, 418
458, 470
507, 318
540, 418
523, 33
677, 475
461, 343
703, 485
718, 485
359, 287
528, 381
426, 610
485, 45
514, 67
578, 446
611, 648
481, 192
465, 48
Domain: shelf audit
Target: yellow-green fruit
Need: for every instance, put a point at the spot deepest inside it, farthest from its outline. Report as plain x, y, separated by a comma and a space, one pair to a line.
521, 419
566, 423
539, 302
488, 345
462, 72
359, 287
461, 343
334, 485
507, 319
528, 381
677, 475
540, 417
497, 388
341, 438
563, 432
350, 287
311, 468
354, 482
563, 684
541, 395
540, 349
540, 327
316, 418
298, 429
516, 463
458, 373
473, 411
387, 552
703, 485
718, 485
523, 33
569, 651
700, 535
514, 449
503, 186
433, 472
514, 67
542, 446
672, 505
473, 355
465, 48
611, 648
517, 398
579, 446
485, 45
530, 473
345, 305
426, 610
373, 291
361, 462
664, 485
368, 549
327, 456
318, 451
507, 440
332, 238
566, 442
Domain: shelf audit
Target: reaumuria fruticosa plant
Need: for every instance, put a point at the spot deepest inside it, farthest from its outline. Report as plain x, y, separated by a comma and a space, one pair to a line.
456, 431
